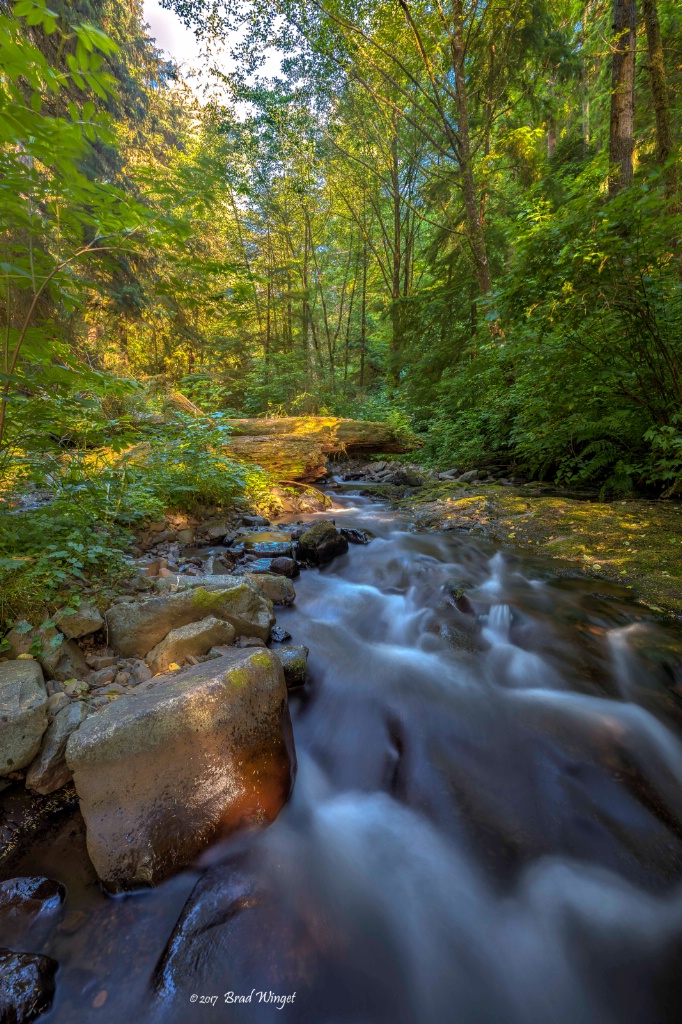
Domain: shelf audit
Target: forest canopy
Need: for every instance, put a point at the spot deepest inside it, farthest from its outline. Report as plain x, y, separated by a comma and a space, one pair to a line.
461, 218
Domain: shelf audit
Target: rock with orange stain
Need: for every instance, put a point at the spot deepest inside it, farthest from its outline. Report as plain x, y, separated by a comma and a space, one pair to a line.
163, 774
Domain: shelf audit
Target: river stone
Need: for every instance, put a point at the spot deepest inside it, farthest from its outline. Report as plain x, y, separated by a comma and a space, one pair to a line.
135, 628
195, 638
71, 664
79, 622
23, 714
278, 589
162, 775
321, 543
268, 542
294, 661
50, 771
26, 985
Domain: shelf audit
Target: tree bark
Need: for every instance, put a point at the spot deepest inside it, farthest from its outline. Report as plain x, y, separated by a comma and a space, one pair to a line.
621, 136
660, 95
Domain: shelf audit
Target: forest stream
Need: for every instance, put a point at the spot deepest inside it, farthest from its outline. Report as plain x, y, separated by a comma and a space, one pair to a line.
486, 824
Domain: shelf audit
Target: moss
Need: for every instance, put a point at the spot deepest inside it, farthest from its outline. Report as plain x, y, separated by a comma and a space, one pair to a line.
637, 542
261, 659
318, 533
208, 601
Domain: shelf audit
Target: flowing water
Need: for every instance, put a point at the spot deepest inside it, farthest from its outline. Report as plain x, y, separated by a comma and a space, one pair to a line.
486, 826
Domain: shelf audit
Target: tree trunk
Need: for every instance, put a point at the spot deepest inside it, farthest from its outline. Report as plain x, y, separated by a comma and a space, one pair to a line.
471, 207
659, 92
363, 315
621, 138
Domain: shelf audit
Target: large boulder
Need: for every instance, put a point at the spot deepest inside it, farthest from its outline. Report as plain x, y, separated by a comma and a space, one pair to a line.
321, 543
26, 985
135, 628
81, 621
195, 638
278, 589
162, 775
50, 771
23, 713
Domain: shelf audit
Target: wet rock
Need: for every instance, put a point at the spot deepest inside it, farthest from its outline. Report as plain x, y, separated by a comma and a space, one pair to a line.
24, 900
71, 664
79, 622
49, 771
294, 661
26, 985
23, 713
268, 542
278, 635
149, 814
244, 642
355, 536
278, 589
192, 639
321, 543
455, 590
135, 629
284, 567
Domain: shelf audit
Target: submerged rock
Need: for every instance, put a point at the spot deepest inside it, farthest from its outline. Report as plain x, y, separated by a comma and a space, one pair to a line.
321, 543
162, 775
49, 771
26, 985
135, 628
23, 713
192, 639
355, 536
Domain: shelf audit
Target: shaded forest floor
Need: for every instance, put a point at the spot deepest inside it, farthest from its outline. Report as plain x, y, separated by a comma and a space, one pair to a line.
636, 543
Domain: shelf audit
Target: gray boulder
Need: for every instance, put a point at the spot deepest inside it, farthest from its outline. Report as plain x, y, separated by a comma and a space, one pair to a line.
162, 775
135, 628
195, 638
23, 713
50, 771
79, 622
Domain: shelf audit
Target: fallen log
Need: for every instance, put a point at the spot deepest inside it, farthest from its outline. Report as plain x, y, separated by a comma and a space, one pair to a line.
283, 456
335, 435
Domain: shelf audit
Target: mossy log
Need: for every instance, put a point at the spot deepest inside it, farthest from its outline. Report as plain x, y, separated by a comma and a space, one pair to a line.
296, 447
284, 456
336, 435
